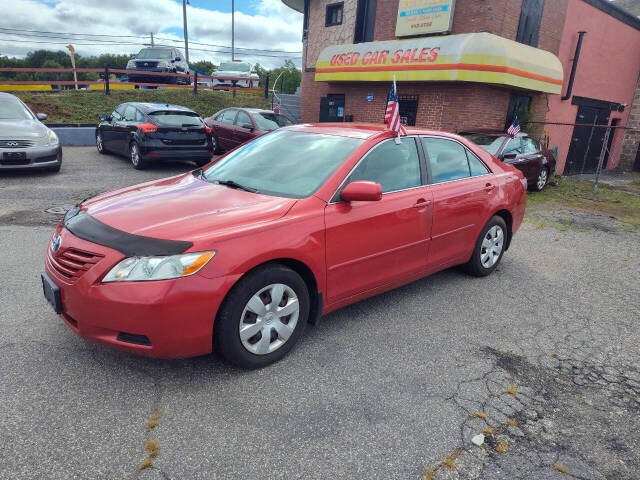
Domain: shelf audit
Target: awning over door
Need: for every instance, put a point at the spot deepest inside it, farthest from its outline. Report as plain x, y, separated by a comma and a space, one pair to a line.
471, 57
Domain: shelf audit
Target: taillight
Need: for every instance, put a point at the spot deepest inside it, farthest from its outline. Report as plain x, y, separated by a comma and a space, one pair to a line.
208, 129
147, 127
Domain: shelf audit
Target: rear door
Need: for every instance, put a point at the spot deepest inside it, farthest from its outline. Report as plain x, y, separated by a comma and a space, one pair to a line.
530, 161
244, 129
373, 244
224, 129
123, 127
461, 188
109, 135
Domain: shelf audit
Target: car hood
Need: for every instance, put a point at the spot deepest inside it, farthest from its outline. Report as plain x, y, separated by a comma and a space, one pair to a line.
232, 73
184, 208
21, 129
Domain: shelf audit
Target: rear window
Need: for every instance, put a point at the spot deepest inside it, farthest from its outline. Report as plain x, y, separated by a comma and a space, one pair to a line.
271, 121
490, 143
176, 119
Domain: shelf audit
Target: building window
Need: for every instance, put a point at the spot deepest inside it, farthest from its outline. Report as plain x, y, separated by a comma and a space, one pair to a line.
518, 106
408, 109
529, 25
334, 14
365, 21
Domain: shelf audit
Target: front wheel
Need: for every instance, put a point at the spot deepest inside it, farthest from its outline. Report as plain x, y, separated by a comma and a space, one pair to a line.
541, 181
100, 143
263, 317
489, 248
135, 156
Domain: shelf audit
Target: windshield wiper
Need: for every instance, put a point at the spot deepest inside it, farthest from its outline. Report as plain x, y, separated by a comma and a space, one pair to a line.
232, 184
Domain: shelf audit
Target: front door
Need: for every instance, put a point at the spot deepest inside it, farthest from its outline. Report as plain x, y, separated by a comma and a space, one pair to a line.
243, 128
586, 145
461, 188
332, 108
371, 244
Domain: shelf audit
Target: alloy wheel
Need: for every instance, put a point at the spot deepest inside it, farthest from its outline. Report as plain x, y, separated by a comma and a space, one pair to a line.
99, 144
269, 319
542, 179
491, 247
135, 154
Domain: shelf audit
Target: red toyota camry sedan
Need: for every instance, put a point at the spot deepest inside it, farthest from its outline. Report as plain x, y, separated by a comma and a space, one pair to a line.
240, 255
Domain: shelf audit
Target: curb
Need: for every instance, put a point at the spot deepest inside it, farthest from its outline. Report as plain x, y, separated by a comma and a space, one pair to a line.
76, 136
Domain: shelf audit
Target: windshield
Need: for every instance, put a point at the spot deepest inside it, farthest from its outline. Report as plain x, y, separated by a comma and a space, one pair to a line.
234, 67
489, 142
271, 121
284, 163
177, 119
14, 110
147, 53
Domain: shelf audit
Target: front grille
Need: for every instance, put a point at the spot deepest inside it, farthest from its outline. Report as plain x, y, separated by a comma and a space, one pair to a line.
143, 65
15, 161
134, 338
16, 143
73, 263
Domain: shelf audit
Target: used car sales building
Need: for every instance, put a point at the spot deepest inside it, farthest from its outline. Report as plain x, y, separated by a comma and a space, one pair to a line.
469, 64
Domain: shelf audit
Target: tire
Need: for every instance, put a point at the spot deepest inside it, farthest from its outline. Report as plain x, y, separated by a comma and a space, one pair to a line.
236, 312
100, 144
136, 158
541, 181
215, 145
480, 264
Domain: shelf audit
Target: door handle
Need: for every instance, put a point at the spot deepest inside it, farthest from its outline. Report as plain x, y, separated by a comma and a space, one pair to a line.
488, 187
421, 203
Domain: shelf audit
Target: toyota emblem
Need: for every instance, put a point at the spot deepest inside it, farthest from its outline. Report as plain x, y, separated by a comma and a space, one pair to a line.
55, 243
12, 144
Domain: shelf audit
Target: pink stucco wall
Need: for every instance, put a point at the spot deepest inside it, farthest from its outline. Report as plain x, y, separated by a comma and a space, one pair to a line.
608, 70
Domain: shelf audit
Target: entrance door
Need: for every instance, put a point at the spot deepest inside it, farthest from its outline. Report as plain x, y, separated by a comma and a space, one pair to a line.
583, 155
332, 108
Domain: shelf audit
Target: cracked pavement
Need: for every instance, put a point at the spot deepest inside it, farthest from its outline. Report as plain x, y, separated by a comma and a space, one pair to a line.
543, 356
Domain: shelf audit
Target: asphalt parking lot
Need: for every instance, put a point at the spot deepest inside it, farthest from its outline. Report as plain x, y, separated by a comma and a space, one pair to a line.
543, 356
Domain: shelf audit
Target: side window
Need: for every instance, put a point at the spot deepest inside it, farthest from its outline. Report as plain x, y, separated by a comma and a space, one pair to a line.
139, 116
228, 116
513, 146
448, 159
530, 145
243, 119
395, 167
129, 114
117, 113
475, 165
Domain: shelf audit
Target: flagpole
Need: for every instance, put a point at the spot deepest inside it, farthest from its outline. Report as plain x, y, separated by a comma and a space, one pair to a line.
395, 89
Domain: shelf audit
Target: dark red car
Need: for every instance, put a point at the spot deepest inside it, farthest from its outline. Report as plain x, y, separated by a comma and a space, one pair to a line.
240, 255
527, 154
234, 126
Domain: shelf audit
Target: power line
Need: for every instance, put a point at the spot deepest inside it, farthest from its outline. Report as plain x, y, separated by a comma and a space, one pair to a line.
70, 37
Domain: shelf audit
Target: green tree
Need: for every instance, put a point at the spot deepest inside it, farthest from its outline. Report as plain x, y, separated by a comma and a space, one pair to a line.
204, 66
288, 78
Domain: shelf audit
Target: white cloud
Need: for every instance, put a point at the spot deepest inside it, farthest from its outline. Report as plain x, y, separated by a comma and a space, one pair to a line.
274, 27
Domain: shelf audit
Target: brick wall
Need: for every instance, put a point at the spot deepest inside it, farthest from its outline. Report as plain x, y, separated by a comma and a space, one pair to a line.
631, 139
319, 36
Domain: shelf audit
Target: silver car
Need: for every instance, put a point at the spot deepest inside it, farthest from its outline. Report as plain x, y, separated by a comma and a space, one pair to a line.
25, 142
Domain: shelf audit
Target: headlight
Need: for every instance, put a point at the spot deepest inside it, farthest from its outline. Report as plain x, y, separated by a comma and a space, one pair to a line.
51, 139
140, 269
131, 64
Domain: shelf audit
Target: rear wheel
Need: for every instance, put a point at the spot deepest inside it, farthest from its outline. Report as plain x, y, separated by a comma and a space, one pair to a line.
489, 248
135, 156
262, 318
215, 147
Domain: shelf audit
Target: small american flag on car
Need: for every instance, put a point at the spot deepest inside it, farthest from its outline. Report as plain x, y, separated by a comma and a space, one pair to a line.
514, 129
392, 115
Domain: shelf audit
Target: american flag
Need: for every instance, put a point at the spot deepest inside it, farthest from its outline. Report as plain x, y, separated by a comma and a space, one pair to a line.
392, 115
514, 129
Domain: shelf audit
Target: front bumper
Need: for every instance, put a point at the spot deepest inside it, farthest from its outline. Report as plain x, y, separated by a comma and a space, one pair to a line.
174, 316
143, 78
35, 157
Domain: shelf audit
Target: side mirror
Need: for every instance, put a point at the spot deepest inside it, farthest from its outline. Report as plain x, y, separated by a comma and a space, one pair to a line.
509, 156
362, 191
41, 116
103, 117
177, 59
248, 126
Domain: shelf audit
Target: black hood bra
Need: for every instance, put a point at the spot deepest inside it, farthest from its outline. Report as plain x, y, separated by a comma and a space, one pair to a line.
86, 227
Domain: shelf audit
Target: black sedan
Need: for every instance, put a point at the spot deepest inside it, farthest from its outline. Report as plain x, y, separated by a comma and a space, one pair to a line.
153, 132
536, 162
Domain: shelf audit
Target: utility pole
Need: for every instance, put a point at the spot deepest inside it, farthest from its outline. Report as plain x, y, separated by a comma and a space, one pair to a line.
233, 55
152, 39
186, 35
72, 53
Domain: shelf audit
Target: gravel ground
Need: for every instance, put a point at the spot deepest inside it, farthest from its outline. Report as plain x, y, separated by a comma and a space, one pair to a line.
543, 356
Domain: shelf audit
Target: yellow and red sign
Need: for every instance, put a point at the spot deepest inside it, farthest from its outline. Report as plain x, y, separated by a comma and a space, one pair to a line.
417, 17
472, 57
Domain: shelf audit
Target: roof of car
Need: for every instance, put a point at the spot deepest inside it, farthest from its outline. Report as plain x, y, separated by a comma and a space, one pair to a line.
488, 131
154, 107
359, 130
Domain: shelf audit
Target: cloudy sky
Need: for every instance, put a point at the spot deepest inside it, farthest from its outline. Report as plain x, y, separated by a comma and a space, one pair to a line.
259, 24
